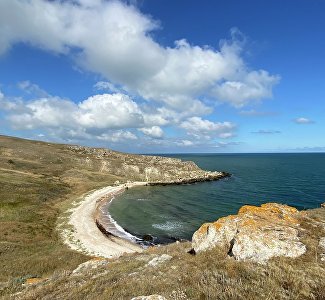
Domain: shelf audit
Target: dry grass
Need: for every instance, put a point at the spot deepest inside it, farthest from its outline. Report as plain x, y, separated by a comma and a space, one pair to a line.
37, 180
209, 275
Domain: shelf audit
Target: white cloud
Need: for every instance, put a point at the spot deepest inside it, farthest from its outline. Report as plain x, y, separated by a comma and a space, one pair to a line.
115, 40
303, 120
199, 128
117, 136
155, 132
184, 143
108, 86
95, 114
109, 111
32, 88
253, 86
266, 131
256, 113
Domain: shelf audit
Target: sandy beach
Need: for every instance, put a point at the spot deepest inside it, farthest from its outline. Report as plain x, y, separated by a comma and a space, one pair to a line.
86, 236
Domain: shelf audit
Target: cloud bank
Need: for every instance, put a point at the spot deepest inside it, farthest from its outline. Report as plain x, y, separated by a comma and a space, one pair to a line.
116, 40
178, 85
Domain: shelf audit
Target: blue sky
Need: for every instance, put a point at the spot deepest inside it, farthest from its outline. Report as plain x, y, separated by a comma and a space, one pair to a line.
165, 76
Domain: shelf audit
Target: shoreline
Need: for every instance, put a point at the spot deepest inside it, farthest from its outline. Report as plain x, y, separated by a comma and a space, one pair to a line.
86, 237
96, 233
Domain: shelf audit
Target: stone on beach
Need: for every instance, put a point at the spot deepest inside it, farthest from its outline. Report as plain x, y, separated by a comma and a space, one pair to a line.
255, 233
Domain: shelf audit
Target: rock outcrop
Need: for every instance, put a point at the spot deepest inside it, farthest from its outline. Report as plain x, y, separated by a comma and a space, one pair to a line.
255, 233
156, 170
159, 260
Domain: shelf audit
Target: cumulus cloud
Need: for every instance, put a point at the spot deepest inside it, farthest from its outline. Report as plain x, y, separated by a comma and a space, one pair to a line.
113, 111
201, 128
155, 132
115, 40
91, 116
303, 120
109, 111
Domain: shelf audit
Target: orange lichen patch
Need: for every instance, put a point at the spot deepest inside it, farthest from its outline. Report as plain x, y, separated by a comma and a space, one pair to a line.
219, 223
280, 208
204, 228
249, 209
98, 258
271, 212
250, 222
31, 281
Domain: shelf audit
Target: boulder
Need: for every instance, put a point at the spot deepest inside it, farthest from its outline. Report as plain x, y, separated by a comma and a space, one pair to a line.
255, 233
159, 260
89, 265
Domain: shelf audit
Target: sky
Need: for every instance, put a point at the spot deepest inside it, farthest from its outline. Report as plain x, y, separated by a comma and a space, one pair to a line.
165, 76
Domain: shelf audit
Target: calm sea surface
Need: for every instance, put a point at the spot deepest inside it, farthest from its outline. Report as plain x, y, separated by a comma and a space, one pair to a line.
177, 211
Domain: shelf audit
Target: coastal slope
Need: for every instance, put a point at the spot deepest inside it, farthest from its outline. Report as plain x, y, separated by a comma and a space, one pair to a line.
43, 183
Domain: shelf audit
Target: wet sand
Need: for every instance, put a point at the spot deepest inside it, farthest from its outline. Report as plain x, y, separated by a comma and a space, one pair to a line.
87, 237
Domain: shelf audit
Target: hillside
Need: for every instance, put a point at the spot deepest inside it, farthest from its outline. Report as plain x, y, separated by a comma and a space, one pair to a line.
39, 180
38, 183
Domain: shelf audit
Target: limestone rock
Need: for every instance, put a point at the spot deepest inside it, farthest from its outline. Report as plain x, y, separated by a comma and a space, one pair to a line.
159, 260
155, 170
89, 265
255, 233
151, 297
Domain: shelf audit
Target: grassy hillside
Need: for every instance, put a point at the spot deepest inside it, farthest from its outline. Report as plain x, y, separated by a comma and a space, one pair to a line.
39, 180
36, 181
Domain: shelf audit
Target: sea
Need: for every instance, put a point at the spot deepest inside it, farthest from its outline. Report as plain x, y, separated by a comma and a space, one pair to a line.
169, 213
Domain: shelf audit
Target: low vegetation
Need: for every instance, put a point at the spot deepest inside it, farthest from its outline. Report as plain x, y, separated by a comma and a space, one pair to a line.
38, 181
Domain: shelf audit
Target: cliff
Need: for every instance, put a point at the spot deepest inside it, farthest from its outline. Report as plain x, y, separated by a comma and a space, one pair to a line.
152, 169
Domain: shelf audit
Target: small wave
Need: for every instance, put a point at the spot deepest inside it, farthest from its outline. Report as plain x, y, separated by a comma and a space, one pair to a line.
142, 199
120, 230
168, 226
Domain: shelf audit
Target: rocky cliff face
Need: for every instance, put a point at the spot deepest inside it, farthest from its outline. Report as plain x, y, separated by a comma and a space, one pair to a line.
152, 169
255, 233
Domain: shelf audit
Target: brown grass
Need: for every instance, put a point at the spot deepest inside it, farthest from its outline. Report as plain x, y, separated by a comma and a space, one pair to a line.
209, 275
37, 180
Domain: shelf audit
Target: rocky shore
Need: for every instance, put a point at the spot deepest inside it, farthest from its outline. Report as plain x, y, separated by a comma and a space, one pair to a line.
194, 178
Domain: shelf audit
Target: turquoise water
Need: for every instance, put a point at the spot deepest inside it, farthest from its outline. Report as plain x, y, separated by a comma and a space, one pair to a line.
168, 212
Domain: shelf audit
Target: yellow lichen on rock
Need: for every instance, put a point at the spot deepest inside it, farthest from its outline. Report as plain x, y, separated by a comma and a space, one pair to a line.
256, 233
